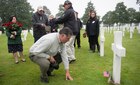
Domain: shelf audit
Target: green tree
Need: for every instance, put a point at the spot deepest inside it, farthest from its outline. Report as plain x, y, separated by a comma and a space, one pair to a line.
109, 18
137, 17
46, 10
132, 15
20, 8
121, 13
86, 15
61, 11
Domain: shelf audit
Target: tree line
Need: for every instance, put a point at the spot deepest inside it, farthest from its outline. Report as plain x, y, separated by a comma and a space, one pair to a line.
121, 15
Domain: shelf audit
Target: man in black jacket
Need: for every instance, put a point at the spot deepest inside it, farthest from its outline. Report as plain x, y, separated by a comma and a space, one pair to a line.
69, 20
77, 39
40, 21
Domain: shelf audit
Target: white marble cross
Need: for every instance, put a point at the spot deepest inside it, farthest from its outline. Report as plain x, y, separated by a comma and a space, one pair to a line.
138, 28
24, 33
115, 26
0, 32
123, 30
119, 52
102, 39
127, 26
131, 30
31, 31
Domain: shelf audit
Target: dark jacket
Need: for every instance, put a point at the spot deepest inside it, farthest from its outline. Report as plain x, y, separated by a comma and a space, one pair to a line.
17, 39
80, 24
92, 27
53, 25
37, 20
69, 20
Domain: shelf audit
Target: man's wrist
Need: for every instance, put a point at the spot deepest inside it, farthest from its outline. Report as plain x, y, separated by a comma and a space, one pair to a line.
67, 71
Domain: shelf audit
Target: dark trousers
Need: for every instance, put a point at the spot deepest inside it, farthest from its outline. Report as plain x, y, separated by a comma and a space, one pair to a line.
36, 38
93, 42
77, 39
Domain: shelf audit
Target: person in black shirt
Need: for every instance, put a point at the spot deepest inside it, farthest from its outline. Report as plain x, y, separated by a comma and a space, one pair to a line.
77, 39
92, 31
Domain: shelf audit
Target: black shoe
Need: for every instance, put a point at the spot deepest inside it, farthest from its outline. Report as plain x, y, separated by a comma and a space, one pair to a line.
55, 65
79, 47
72, 61
45, 80
49, 73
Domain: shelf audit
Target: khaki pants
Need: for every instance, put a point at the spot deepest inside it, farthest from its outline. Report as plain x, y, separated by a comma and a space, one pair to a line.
44, 63
70, 48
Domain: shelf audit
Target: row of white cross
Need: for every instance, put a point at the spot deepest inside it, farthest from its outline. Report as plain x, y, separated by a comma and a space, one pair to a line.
130, 30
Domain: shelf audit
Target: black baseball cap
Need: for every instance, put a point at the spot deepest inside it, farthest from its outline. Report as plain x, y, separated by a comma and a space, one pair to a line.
66, 3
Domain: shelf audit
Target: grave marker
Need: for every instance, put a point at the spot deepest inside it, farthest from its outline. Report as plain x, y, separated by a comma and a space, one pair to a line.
102, 39
119, 52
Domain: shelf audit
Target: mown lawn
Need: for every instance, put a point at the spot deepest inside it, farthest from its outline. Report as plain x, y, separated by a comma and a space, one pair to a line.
87, 70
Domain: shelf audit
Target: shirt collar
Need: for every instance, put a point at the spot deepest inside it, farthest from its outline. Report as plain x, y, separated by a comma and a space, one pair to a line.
59, 39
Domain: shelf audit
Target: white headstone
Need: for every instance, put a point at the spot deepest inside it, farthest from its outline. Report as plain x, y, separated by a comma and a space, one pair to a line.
115, 26
84, 27
31, 31
0, 32
102, 39
24, 33
123, 30
119, 52
138, 28
101, 25
118, 26
131, 30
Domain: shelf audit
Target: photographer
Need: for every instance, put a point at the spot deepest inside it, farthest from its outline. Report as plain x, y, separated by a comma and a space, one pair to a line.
39, 21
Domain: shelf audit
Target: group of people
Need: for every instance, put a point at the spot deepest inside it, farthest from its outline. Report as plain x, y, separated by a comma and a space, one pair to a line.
50, 49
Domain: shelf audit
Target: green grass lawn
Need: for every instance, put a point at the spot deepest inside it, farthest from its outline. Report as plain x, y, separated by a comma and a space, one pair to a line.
87, 70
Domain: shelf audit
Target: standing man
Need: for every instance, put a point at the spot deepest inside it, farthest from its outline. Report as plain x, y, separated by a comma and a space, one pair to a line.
69, 20
77, 39
40, 21
43, 51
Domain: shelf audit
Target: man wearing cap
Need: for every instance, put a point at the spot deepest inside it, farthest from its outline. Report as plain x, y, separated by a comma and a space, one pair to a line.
40, 21
69, 20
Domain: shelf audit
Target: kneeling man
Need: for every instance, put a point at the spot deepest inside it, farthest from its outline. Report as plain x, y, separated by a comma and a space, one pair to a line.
49, 51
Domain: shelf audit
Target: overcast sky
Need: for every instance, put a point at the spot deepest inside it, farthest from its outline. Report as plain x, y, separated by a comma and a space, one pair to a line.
101, 6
